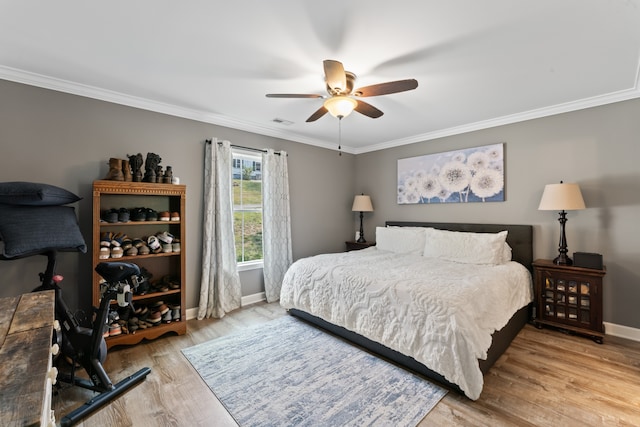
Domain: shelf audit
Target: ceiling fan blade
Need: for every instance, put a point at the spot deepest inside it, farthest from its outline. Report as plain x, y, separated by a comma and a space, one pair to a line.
368, 110
335, 76
292, 95
319, 113
387, 88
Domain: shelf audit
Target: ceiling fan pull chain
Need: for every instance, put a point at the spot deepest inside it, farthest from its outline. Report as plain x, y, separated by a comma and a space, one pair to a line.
339, 135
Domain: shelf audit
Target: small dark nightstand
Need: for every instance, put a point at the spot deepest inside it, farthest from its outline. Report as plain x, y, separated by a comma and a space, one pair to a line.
569, 298
354, 246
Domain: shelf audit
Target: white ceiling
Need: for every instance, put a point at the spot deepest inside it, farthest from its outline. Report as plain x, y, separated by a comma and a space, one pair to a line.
478, 63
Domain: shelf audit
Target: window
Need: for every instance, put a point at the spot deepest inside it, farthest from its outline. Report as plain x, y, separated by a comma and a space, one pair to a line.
247, 206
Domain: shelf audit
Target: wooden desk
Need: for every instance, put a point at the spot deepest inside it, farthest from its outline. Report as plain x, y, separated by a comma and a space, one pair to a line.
26, 375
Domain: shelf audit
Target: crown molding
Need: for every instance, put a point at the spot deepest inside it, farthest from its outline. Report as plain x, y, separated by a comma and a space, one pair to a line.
60, 85
65, 86
582, 104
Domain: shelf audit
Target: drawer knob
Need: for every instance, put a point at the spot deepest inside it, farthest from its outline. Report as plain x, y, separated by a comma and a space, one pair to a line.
53, 375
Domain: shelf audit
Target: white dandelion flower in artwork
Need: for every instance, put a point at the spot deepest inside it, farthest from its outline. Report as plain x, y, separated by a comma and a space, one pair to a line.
412, 197
419, 175
498, 166
411, 184
495, 153
478, 160
455, 176
459, 157
487, 183
443, 195
428, 187
402, 191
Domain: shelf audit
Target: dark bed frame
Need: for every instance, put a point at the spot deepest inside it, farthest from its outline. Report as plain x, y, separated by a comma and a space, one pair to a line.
519, 237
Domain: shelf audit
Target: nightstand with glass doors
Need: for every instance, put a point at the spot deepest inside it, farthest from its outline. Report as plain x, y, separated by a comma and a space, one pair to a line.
569, 298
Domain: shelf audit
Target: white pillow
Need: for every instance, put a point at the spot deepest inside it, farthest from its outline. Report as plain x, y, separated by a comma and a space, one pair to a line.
506, 253
401, 240
468, 248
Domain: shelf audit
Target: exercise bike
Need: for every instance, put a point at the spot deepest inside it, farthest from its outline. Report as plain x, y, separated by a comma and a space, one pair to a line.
30, 227
86, 347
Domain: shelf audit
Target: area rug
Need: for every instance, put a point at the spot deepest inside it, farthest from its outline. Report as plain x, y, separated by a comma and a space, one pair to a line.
288, 373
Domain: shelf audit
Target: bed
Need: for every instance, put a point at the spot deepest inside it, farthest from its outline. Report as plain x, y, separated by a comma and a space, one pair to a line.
444, 300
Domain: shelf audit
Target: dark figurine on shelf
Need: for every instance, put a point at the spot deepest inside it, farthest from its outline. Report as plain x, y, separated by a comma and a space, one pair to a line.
168, 175
135, 161
150, 166
159, 174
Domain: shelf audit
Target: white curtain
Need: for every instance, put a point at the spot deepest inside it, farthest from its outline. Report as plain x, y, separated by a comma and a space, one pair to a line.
220, 284
276, 222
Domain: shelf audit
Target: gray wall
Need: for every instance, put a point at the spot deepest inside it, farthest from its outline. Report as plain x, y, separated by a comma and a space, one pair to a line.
599, 148
66, 140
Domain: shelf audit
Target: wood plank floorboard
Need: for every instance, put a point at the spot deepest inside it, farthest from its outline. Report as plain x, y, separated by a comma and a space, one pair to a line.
545, 378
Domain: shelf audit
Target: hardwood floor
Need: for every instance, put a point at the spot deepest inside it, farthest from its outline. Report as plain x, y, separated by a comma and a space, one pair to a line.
545, 378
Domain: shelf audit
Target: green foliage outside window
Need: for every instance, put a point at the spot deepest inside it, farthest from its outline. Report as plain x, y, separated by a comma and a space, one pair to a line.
247, 215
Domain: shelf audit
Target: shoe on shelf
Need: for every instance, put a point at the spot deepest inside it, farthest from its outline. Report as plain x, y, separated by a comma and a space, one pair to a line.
117, 252
118, 238
110, 216
132, 251
175, 312
133, 324
105, 239
152, 215
154, 244
139, 214
163, 309
105, 253
127, 243
175, 216
166, 318
175, 245
165, 237
154, 318
115, 329
123, 215
164, 216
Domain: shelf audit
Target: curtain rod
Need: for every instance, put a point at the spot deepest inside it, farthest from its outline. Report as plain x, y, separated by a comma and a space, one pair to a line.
209, 141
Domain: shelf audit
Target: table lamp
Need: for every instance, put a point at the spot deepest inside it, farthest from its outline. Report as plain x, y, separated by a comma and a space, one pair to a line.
562, 197
362, 203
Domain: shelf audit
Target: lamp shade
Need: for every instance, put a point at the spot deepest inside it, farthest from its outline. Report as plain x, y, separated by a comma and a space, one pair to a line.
362, 203
340, 106
561, 197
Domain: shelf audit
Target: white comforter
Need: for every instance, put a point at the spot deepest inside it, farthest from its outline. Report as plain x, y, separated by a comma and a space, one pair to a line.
439, 312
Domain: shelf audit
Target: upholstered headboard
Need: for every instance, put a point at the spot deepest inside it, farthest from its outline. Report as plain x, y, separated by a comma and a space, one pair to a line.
519, 237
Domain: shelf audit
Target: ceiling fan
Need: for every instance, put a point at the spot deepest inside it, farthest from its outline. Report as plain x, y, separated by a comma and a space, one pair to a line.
341, 102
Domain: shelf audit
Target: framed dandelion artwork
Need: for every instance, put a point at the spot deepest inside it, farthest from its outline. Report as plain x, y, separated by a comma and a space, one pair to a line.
460, 176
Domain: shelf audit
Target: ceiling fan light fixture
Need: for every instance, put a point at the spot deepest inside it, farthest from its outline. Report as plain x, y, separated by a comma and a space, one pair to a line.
340, 106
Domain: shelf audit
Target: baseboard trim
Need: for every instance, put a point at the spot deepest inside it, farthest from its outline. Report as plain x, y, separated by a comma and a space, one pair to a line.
622, 331
192, 313
252, 299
